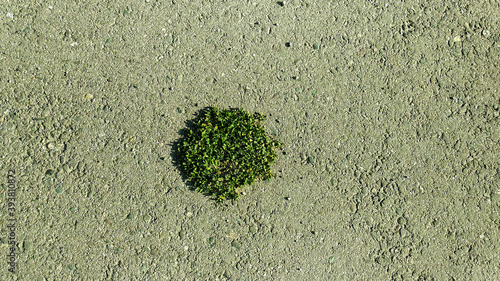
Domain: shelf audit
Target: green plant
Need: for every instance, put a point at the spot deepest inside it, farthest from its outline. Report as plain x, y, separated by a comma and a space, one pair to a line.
226, 150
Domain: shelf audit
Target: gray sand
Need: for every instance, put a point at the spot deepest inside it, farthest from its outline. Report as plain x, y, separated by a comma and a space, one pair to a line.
389, 112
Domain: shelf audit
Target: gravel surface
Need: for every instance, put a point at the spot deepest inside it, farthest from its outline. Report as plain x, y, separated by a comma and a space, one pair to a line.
388, 111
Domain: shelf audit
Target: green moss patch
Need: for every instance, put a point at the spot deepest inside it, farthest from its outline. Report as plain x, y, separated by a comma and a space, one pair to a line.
225, 150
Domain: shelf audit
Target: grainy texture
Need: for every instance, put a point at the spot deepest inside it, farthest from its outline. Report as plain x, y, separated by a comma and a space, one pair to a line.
389, 112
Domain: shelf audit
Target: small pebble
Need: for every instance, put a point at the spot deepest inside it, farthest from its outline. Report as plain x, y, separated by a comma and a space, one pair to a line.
311, 160
211, 241
253, 229
236, 244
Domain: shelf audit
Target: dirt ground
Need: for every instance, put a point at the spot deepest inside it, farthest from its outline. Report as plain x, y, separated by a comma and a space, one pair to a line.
389, 112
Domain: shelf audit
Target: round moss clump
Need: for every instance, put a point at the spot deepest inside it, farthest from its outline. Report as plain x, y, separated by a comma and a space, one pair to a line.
226, 150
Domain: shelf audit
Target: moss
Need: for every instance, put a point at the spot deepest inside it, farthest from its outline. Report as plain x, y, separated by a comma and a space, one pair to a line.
225, 150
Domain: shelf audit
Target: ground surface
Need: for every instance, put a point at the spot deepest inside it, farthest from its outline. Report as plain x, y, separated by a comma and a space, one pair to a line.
389, 112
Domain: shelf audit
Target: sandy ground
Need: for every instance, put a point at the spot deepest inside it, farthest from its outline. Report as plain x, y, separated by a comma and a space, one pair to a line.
389, 111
